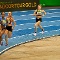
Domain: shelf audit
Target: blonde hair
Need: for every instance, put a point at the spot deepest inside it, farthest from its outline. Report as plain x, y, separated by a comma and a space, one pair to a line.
9, 12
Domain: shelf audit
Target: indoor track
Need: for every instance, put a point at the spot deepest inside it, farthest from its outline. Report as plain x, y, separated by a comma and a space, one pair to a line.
24, 29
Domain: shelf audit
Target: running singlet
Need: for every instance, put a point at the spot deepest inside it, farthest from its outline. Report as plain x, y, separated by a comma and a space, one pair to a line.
39, 12
9, 21
3, 21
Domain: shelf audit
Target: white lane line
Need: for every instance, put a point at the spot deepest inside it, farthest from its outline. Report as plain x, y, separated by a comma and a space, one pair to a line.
29, 28
14, 37
23, 15
55, 16
47, 17
26, 19
21, 19
30, 14
51, 25
58, 20
44, 37
49, 13
15, 30
58, 29
53, 35
45, 26
23, 35
33, 33
52, 12
46, 31
30, 34
21, 24
52, 21
25, 24
33, 18
18, 29
53, 9
33, 27
48, 26
56, 12
43, 22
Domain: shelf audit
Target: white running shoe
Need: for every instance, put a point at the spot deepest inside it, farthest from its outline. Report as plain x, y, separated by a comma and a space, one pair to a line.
42, 32
35, 34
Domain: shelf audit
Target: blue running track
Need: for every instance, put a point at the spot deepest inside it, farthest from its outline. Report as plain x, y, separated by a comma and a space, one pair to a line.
24, 29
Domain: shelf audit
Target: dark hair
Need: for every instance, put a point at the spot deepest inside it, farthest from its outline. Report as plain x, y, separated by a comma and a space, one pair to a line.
2, 12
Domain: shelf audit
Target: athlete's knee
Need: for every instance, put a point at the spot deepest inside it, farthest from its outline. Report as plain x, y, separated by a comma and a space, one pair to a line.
6, 32
10, 35
36, 25
39, 25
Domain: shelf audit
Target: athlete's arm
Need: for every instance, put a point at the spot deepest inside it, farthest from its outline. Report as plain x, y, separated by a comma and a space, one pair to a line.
14, 23
44, 12
35, 13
